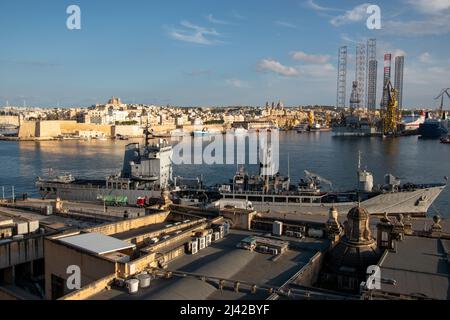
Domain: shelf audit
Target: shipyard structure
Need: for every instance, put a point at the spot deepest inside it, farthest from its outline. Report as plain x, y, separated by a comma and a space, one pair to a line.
362, 118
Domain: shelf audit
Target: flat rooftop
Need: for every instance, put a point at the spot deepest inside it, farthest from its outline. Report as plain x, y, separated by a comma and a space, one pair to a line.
420, 267
96, 243
418, 224
223, 260
56, 222
140, 231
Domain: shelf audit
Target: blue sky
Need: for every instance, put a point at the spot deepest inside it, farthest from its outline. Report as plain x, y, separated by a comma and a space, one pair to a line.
205, 52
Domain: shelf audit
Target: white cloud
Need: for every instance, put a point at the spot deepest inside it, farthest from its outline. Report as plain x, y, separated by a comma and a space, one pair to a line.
399, 52
356, 14
285, 24
430, 6
386, 47
237, 16
237, 83
277, 67
425, 57
431, 76
311, 58
211, 19
313, 5
198, 72
194, 34
434, 25
320, 71
346, 38
434, 19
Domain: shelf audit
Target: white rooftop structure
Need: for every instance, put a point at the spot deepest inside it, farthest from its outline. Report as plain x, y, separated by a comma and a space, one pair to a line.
96, 243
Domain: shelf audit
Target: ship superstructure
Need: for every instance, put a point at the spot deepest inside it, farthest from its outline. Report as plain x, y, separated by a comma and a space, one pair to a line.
276, 193
146, 171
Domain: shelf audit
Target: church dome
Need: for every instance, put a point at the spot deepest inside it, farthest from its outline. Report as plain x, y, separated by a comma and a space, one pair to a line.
357, 249
358, 213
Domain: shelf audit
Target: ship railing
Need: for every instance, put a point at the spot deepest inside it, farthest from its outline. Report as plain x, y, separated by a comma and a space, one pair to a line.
287, 193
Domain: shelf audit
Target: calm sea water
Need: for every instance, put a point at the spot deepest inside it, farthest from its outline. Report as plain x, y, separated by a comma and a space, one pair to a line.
409, 158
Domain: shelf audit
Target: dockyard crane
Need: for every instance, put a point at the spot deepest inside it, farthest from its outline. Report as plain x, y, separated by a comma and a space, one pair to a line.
441, 96
391, 115
311, 118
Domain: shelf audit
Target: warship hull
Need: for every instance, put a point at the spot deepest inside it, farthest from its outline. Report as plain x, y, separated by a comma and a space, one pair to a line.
415, 203
89, 192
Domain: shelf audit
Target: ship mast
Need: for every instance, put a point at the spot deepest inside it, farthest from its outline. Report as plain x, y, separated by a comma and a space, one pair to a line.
147, 135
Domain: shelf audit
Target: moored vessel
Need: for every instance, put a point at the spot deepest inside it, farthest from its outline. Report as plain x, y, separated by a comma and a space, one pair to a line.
276, 194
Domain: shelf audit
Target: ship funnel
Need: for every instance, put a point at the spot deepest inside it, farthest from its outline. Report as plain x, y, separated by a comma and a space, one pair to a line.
365, 181
131, 155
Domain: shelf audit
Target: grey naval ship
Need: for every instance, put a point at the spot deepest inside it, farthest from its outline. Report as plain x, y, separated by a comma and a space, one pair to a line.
146, 171
276, 194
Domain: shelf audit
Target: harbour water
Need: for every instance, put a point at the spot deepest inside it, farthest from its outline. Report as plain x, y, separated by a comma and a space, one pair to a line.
409, 158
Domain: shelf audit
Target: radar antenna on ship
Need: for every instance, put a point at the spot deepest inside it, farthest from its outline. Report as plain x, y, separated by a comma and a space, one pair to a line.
315, 177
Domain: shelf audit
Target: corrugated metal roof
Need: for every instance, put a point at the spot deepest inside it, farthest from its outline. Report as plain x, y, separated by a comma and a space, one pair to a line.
97, 243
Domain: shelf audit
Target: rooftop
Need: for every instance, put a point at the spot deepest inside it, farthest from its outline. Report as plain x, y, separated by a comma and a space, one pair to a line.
96, 243
225, 261
420, 268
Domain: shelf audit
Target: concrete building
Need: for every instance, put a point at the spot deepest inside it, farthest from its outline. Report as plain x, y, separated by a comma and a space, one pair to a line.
122, 249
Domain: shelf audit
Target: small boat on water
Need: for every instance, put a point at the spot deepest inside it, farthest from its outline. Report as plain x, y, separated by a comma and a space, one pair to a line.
301, 128
433, 128
179, 133
413, 122
317, 127
122, 137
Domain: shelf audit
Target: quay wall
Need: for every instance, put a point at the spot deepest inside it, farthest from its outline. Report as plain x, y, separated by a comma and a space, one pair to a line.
11, 120
71, 127
187, 128
130, 131
27, 129
48, 129
54, 128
